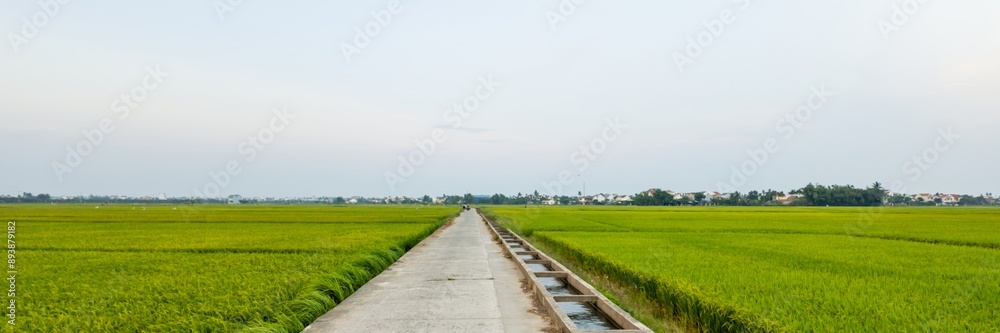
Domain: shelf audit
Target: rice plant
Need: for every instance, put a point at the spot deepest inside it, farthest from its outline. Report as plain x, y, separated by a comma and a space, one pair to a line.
203, 269
788, 269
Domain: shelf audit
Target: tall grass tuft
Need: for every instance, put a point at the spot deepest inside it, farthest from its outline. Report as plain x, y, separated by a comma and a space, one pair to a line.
335, 287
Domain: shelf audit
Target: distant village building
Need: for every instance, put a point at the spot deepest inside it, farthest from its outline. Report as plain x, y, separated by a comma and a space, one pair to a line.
623, 200
923, 197
235, 199
788, 199
949, 199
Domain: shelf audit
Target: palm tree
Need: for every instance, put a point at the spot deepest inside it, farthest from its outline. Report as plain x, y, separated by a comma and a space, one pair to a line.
879, 192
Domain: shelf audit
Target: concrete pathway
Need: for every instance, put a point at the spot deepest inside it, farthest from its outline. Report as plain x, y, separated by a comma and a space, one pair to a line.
456, 280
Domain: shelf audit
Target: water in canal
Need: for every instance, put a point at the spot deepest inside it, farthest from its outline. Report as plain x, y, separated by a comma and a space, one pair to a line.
539, 268
586, 316
558, 286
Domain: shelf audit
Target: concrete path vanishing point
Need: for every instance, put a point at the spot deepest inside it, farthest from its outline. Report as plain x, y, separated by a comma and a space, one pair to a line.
456, 280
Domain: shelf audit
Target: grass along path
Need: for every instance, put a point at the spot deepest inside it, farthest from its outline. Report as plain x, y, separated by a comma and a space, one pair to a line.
123, 270
731, 275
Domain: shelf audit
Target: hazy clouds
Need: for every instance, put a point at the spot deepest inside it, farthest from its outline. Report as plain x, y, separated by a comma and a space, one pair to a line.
363, 101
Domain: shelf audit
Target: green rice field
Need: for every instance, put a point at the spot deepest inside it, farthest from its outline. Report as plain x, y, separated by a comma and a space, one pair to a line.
121, 268
757, 269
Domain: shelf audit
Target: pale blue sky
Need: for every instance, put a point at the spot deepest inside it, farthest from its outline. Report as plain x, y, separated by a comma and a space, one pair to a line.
558, 87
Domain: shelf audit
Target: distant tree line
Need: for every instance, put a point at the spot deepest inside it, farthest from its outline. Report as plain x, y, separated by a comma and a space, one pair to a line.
965, 200
752, 198
660, 197
842, 195
810, 195
968, 200
27, 197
